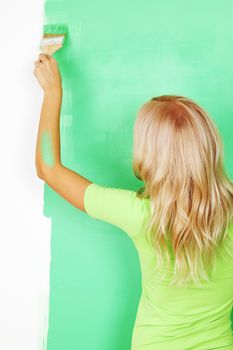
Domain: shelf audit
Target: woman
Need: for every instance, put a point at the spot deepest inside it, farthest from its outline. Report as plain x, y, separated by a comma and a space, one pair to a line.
181, 222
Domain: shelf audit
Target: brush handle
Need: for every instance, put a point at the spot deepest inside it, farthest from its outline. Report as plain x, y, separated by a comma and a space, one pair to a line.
50, 44
52, 40
50, 49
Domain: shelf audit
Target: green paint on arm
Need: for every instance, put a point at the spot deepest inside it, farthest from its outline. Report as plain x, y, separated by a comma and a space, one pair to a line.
47, 149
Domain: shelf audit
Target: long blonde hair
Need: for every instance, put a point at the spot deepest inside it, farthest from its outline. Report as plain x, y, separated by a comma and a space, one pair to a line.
178, 154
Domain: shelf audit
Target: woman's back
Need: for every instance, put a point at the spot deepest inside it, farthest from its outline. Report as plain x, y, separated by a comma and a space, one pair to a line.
182, 318
168, 317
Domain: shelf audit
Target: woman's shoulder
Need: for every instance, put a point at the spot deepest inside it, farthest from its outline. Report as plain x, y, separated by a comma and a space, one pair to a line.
116, 205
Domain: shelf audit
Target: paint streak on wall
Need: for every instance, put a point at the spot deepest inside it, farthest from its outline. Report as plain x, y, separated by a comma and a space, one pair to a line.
117, 56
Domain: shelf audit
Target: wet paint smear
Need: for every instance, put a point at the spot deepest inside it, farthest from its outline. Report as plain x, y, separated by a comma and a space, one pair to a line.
118, 55
47, 149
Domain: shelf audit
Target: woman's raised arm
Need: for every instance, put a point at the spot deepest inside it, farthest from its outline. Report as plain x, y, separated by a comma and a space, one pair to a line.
64, 181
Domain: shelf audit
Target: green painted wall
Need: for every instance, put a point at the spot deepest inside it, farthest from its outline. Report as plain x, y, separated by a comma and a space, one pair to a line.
117, 56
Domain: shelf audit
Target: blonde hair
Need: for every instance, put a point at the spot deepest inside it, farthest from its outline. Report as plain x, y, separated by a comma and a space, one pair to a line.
178, 154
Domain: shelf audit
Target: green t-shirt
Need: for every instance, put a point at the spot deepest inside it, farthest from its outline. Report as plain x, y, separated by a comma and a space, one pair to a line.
167, 317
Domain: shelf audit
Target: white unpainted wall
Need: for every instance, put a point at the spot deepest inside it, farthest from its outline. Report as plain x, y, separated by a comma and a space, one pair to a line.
24, 231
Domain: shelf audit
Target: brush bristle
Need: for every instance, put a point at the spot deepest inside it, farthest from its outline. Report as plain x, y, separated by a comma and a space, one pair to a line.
56, 28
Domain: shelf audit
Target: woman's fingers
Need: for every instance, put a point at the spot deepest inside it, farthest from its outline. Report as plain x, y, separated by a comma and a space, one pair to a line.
47, 72
43, 58
47, 59
44, 61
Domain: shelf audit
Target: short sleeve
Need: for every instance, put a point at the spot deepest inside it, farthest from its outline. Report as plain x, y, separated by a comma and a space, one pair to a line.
116, 206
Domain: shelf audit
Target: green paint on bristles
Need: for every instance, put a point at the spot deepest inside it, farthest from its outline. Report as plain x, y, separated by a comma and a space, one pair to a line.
56, 28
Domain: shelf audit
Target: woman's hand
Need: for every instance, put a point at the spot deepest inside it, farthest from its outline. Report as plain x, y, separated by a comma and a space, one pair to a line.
47, 73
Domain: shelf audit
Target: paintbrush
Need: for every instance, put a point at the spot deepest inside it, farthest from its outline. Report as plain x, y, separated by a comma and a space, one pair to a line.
53, 38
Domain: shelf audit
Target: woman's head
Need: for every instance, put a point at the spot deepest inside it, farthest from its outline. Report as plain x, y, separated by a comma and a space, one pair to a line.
178, 155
